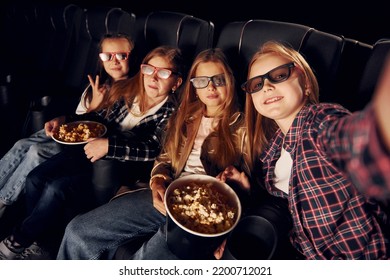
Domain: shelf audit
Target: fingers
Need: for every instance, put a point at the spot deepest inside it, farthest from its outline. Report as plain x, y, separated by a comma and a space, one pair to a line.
94, 83
218, 253
382, 101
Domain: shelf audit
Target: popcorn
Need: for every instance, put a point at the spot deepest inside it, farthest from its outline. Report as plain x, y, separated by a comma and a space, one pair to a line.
79, 132
201, 208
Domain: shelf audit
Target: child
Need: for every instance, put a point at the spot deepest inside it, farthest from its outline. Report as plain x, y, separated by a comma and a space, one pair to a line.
310, 154
28, 153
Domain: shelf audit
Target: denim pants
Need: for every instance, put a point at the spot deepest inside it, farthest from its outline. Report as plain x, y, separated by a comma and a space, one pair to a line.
98, 233
155, 248
56, 191
24, 156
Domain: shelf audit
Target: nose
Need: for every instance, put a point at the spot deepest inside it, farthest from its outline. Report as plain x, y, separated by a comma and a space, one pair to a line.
115, 59
211, 86
267, 84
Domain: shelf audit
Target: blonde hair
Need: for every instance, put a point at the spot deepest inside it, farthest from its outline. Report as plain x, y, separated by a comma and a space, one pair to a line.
190, 104
261, 129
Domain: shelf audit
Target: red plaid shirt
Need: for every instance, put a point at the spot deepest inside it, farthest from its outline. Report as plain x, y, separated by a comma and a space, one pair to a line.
330, 148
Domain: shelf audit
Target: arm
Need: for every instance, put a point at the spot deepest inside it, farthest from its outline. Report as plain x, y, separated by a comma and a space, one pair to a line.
370, 171
381, 105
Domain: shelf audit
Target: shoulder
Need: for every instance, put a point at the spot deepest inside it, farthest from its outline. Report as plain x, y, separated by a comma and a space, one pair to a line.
237, 120
323, 111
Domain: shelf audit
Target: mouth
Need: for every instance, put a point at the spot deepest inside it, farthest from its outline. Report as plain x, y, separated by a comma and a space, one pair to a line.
273, 99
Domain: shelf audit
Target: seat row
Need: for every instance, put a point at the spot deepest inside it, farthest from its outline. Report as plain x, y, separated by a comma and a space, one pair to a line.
52, 48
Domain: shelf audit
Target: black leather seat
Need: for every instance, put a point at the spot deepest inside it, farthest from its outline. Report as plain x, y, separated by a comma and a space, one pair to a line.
354, 58
189, 33
371, 73
38, 40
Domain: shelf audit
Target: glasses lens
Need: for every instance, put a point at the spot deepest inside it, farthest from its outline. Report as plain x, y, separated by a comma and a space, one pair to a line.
218, 80
200, 82
105, 56
164, 73
121, 56
147, 69
279, 74
253, 85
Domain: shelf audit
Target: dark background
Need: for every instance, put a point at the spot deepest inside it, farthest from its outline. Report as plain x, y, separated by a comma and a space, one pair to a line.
366, 22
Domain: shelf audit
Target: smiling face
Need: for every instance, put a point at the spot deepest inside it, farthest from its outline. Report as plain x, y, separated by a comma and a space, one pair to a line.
117, 69
280, 101
213, 97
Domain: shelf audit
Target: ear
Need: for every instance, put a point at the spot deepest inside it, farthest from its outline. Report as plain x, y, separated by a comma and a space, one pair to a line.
179, 81
307, 89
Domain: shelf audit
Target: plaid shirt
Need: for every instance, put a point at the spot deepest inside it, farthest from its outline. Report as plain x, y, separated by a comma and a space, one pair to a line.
331, 218
142, 142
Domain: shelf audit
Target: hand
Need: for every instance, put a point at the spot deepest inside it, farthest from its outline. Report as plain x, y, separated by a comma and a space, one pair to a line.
53, 124
96, 148
218, 253
98, 92
381, 103
231, 173
158, 192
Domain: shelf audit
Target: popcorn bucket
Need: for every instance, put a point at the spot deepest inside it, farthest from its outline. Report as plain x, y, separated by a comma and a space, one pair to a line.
190, 238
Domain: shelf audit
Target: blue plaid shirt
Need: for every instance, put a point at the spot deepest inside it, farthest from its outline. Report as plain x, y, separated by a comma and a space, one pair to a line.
332, 219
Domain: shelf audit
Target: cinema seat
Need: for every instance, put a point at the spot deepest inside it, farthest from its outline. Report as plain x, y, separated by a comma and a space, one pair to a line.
189, 33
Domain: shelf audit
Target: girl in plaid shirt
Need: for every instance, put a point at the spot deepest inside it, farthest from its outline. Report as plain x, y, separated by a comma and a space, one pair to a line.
326, 162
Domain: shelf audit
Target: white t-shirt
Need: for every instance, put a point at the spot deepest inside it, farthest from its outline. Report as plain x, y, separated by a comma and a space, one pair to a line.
194, 165
283, 171
82, 107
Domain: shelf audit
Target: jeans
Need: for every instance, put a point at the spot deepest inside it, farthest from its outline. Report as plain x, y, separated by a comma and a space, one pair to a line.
155, 248
23, 157
98, 233
56, 191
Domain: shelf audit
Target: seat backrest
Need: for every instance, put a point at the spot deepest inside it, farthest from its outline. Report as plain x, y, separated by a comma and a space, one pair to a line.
240, 40
17, 33
56, 32
353, 61
189, 33
371, 73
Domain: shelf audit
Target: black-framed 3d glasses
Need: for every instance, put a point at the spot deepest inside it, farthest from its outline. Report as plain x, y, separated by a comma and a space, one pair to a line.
276, 75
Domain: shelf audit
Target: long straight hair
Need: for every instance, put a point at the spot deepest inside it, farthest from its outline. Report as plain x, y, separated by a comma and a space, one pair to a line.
189, 104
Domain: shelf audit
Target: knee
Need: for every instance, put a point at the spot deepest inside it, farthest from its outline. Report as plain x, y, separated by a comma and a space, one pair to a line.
72, 229
34, 150
20, 144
